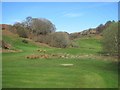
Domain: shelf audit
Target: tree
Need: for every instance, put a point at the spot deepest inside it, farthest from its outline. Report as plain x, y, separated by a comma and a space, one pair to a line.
59, 39
20, 29
27, 23
41, 26
100, 28
34, 26
110, 39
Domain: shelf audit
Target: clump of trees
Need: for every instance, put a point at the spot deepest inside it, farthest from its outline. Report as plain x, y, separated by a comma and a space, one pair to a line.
41, 30
110, 39
102, 27
36, 26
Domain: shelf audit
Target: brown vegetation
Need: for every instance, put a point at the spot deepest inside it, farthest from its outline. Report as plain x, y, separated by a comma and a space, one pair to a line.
32, 56
92, 31
5, 45
4, 26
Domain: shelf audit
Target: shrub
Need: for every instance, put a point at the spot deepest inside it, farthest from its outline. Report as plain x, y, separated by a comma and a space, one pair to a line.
59, 39
24, 41
74, 35
110, 39
74, 44
21, 30
5, 45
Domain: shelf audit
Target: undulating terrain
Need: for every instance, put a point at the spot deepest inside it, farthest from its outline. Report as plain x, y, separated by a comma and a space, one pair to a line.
37, 65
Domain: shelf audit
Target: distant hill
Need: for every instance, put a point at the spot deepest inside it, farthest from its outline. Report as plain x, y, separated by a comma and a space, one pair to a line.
91, 31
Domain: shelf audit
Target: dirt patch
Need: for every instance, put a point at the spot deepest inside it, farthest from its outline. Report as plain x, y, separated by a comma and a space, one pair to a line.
66, 65
8, 50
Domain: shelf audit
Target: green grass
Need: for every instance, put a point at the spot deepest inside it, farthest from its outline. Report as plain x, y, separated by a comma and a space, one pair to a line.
87, 72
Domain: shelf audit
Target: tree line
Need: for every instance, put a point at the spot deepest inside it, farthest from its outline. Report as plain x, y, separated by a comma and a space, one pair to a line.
41, 30
44, 31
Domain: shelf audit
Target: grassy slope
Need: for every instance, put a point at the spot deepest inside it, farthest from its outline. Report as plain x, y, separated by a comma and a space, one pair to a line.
47, 73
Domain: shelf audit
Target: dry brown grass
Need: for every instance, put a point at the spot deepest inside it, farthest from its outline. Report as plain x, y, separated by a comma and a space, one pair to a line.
32, 56
8, 33
8, 50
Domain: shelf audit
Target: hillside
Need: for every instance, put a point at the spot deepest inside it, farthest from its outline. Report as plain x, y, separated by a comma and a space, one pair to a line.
59, 45
40, 66
17, 43
91, 31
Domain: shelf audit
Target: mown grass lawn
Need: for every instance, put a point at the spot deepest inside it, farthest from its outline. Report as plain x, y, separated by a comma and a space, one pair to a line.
86, 72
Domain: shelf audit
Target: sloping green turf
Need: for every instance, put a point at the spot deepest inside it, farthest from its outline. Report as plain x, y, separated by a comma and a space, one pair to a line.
87, 72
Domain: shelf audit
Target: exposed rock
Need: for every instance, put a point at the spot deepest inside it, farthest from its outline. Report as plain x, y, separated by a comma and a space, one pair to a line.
5, 45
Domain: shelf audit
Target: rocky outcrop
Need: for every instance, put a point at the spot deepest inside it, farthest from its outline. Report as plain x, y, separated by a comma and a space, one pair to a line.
5, 45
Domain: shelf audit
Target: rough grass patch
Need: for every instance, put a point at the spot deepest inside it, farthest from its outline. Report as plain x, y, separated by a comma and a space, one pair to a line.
32, 57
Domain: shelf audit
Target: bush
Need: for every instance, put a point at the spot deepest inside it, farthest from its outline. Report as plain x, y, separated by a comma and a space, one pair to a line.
74, 44
21, 30
74, 35
110, 39
5, 45
24, 41
59, 39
